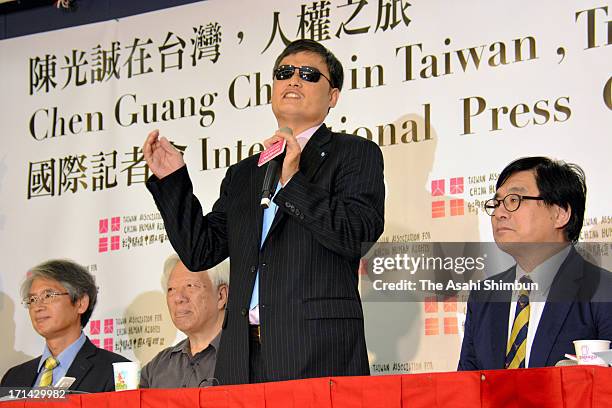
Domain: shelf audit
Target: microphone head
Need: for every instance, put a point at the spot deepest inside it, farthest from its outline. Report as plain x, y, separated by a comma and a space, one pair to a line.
286, 129
265, 202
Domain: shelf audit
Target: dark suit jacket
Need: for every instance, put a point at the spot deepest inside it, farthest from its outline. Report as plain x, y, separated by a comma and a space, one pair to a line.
310, 309
92, 367
578, 307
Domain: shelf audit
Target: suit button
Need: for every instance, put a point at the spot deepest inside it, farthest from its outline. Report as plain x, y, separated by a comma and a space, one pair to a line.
287, 204
297, 211
301, 216
253, 269
243, 311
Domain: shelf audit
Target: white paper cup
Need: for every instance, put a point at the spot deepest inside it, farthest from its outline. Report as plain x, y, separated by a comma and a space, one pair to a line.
127, 375
586, 348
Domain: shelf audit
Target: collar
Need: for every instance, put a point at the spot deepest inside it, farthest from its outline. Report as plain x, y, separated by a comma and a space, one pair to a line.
182, 345
66, 357
185, 346
545, 273
305, 136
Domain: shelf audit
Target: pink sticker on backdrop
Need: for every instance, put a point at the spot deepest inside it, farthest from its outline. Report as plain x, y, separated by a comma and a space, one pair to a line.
103, 226
94, 327
115, 242
108, 326
271, 152
431, 326
456, 207
437, 187
431, 304
108, 344
437, 209
456, 185
103, 244
451, 325
450, 304
115, 224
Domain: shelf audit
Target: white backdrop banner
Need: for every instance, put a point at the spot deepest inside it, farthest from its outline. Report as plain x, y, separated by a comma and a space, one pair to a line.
451, 91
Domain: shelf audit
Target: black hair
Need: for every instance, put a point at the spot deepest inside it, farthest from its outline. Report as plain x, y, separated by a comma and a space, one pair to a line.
334, 66
559, 183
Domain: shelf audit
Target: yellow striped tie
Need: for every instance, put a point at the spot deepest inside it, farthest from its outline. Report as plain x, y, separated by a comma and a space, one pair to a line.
516, 350
47, 377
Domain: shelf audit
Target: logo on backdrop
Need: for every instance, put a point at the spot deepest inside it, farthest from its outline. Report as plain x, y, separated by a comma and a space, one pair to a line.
123, 333
456, 205
440, 313
105, 339
465, 192
106, 236
130, 231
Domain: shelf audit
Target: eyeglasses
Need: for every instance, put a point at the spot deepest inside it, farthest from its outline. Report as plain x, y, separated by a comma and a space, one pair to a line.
511, 202
308, 74
45, 298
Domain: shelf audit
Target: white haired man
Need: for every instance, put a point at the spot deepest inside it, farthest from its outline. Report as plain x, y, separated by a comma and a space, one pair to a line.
196, 301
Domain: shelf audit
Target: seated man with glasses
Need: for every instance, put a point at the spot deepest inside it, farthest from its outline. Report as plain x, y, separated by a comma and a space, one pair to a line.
537, 215
60, 296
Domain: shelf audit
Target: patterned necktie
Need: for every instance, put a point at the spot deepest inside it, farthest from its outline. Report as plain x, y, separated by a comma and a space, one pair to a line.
517, 343
50, 364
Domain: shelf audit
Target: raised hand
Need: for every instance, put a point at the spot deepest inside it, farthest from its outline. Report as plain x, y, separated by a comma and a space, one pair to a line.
162, 158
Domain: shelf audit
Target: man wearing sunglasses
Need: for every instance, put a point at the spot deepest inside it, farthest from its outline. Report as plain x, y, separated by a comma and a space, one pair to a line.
294, 310
537, 215
60, 297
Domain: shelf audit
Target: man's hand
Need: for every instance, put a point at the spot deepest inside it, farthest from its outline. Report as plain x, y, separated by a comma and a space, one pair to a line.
291, 164
162, 158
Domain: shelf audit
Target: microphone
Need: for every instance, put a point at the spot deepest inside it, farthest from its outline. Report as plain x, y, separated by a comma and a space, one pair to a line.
272, 175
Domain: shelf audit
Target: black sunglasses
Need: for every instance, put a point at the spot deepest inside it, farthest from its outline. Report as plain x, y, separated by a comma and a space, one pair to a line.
308, 74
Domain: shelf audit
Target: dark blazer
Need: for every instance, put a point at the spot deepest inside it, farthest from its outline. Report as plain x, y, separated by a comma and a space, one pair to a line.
310, 310
92, 367
578, 307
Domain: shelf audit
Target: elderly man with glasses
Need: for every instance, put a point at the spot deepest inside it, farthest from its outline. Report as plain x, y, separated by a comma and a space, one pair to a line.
294, 310
536, 215
60, 296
